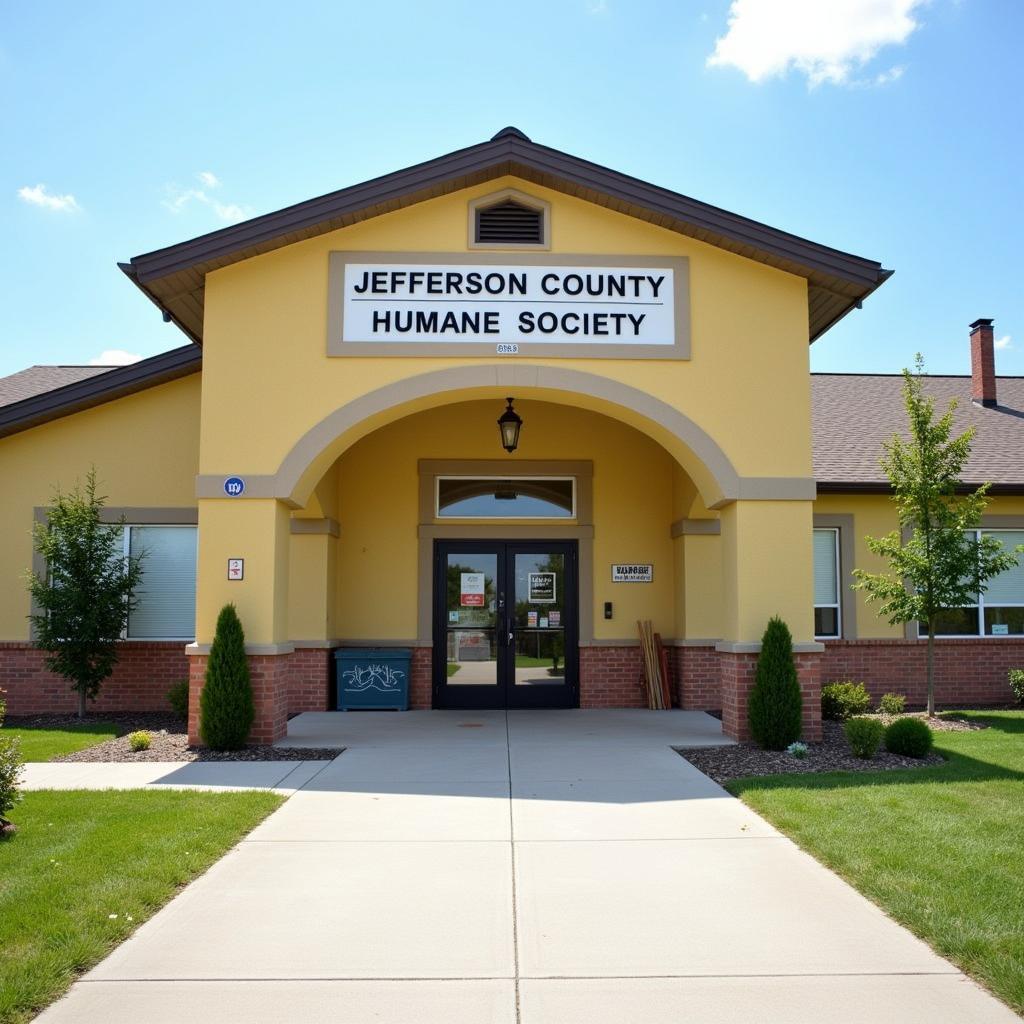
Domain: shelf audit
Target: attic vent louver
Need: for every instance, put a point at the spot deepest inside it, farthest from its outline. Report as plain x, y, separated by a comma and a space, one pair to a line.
509, 223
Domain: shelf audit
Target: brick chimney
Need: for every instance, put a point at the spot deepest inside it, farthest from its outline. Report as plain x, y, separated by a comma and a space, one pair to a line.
983, 364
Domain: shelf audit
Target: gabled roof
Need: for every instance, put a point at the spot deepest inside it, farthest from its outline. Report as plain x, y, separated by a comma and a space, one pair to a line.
174, 277
853, 414
102, 384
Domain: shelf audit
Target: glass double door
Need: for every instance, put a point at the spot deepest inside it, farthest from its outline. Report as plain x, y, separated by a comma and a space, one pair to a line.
505, 624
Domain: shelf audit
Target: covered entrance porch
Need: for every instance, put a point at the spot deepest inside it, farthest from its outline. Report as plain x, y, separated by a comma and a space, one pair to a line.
343, 543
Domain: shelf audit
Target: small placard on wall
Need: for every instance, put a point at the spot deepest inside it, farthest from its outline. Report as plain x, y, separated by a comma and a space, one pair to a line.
631, 572
236, 568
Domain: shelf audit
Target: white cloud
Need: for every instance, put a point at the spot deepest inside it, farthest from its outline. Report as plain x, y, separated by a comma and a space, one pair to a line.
114, 357
179, 198
827, 42
1003, 343
597, 7
894, 74
38, 196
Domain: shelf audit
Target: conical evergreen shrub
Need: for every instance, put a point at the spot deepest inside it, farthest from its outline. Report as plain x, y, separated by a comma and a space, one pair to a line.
226, 710
775, 703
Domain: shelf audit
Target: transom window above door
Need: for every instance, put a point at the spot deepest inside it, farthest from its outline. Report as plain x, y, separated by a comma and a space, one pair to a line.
459, 497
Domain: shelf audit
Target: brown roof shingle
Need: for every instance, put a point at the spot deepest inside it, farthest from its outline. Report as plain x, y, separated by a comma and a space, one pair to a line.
37, 380
853, 414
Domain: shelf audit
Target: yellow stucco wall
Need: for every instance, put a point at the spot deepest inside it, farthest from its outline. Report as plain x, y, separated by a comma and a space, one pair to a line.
145, 449
267, 380
378, 501
266, 323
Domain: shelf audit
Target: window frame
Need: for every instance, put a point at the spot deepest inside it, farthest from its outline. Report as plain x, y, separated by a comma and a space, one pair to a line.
838, 605
126, 541
979, 605
517, 479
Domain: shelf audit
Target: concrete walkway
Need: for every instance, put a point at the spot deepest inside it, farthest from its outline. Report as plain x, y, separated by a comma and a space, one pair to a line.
535, 867
281, 776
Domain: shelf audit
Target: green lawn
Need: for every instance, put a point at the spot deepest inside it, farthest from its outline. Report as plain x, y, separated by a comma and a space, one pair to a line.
85, 869
526, 661
39, 744
940, 849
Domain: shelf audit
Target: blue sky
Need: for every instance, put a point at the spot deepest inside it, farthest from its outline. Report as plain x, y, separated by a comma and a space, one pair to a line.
887, 128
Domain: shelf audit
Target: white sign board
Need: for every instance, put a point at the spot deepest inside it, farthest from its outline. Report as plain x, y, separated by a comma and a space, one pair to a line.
236, 568
409, 306
631, 572
471, 590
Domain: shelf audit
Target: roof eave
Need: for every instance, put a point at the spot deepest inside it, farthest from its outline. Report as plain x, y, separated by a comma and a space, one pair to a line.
103, 387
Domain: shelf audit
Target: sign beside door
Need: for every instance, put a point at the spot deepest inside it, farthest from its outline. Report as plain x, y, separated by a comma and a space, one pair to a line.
631, 572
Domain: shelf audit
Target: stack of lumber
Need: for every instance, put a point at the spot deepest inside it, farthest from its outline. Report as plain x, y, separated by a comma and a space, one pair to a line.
655, 662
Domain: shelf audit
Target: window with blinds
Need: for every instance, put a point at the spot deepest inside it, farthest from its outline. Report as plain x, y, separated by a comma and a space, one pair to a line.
166, 608
999, 611
826, 583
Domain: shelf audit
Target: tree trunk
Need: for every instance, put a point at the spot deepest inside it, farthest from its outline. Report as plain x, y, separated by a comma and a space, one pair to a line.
931, 671
81, 703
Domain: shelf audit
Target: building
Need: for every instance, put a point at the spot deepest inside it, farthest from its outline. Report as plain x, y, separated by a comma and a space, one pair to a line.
323, 452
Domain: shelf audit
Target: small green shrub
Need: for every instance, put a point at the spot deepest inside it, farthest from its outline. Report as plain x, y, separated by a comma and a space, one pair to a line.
226, 709
775, 703
864, 736
892, 704
910, 737
1017, 684
3, 705
797, 750
840, 701
139, 740
11, 767
177, 697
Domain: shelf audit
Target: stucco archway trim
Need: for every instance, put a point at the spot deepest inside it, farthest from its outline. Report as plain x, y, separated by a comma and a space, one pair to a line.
713, 472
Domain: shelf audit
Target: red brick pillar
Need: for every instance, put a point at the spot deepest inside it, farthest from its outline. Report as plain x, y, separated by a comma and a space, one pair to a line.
421, 679
271, 681
737, 671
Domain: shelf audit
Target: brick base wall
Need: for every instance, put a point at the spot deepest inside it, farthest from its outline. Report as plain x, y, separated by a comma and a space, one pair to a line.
421, 682
696, 678
145, 671
737, 679
612, 677
968, 671
310, 680
271, 679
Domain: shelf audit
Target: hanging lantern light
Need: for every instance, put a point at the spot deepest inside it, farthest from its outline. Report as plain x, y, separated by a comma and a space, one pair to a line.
510, 424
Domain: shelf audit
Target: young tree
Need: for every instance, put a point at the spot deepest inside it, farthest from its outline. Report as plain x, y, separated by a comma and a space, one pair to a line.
87, 591
226, 709
941, 564
775, 704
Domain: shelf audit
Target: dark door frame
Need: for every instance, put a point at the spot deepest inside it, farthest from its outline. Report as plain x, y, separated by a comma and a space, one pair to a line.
506, 694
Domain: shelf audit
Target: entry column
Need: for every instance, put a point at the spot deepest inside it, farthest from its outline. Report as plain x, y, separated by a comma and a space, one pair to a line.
767, 569
253, 535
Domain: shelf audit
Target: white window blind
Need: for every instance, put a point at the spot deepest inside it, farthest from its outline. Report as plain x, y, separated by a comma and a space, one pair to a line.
167, 597
1008, 587
826, 584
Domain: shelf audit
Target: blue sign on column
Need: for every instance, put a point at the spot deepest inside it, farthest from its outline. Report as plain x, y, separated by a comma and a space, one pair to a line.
233, 486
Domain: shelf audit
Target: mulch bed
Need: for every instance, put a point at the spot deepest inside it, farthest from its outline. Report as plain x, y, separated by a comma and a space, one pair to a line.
169, 741
831, 755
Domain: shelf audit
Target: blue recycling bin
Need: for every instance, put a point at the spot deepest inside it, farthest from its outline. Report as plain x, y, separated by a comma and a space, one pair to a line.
372, 679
